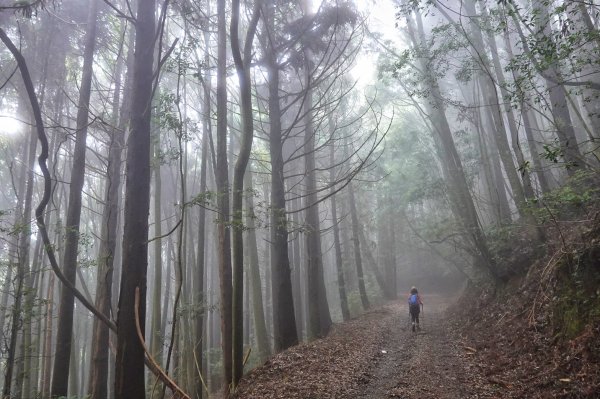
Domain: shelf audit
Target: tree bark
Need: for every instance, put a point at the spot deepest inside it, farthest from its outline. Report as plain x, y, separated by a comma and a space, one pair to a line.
558, 101
129, 366
527, 125
222, 180
356, 243
242, 65
98, 379
284, 321
260, 327
62, 356
458, 189
339, 265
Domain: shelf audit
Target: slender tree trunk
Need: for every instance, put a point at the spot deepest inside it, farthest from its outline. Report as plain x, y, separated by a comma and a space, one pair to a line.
296, 266
339, 266
539, 170
98, 379
490, 97
47, 362
492, 171
260, 327
284, 320
62, 357
199, 296
558, 100
242, 65
372, 262
23, 248
512, 126
458, 189
357, 253
590, 97
129, 365
319, 318
25, 377
222, 179
156, 334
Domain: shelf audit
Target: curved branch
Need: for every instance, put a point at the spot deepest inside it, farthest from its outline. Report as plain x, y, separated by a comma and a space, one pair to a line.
39, 211
151, 363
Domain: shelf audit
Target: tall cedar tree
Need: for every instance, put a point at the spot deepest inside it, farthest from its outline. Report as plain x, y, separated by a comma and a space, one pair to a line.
129, 365
62, 356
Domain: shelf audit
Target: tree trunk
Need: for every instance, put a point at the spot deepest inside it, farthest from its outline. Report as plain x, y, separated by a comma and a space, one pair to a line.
339, 266
558, 101
129, 365
23, 248
492, 105
98, 379
458, 189
589, 96
356, 242
525, 113
242, 65
319, 319
284, 321
156, 333
492, 170
222, 180
199, 296
62, 357
260, 328
512, 126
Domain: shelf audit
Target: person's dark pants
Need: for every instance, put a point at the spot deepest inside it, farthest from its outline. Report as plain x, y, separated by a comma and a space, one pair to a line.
414, 315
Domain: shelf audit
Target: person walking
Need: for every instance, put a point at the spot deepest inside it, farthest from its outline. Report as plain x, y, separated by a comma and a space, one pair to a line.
414, 308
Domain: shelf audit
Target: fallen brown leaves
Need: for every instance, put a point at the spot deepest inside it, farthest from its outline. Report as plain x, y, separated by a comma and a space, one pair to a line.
333, 367
515, 337
486, 346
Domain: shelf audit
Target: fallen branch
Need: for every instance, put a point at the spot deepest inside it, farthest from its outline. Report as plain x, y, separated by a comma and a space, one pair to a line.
151, 363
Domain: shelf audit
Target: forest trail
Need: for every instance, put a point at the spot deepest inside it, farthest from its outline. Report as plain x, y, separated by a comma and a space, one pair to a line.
376, 355
427, 364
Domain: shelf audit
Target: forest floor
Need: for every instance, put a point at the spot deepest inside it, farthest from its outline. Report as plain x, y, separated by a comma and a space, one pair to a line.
453, 356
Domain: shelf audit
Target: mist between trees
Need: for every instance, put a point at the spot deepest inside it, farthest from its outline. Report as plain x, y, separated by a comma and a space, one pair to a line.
189, 187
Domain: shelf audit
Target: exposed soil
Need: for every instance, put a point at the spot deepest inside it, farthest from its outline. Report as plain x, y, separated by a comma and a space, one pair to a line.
453, 356
427, 364
376, 356
537, 336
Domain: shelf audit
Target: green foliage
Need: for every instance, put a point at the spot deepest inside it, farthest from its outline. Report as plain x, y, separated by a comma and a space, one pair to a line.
577, 197
354, 304
409, 162
577, 300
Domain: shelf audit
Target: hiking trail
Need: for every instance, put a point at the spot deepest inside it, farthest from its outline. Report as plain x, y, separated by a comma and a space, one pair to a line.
376, 355
427, 364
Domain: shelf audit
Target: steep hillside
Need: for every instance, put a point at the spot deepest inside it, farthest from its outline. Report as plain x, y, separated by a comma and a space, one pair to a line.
539, 336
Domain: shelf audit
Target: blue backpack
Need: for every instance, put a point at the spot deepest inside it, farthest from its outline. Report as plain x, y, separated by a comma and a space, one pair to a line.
413, 300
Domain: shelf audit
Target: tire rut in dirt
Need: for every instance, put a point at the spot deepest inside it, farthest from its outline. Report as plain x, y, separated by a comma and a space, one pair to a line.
419, 365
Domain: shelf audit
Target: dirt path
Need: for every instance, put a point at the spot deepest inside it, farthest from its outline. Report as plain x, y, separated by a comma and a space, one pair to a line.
376, 356
428, 364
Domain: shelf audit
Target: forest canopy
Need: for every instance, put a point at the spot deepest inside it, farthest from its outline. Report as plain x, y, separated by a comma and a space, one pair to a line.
189, 187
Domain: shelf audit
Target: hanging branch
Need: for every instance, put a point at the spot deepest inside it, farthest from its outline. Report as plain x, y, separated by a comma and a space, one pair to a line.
39, 216
39, 211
